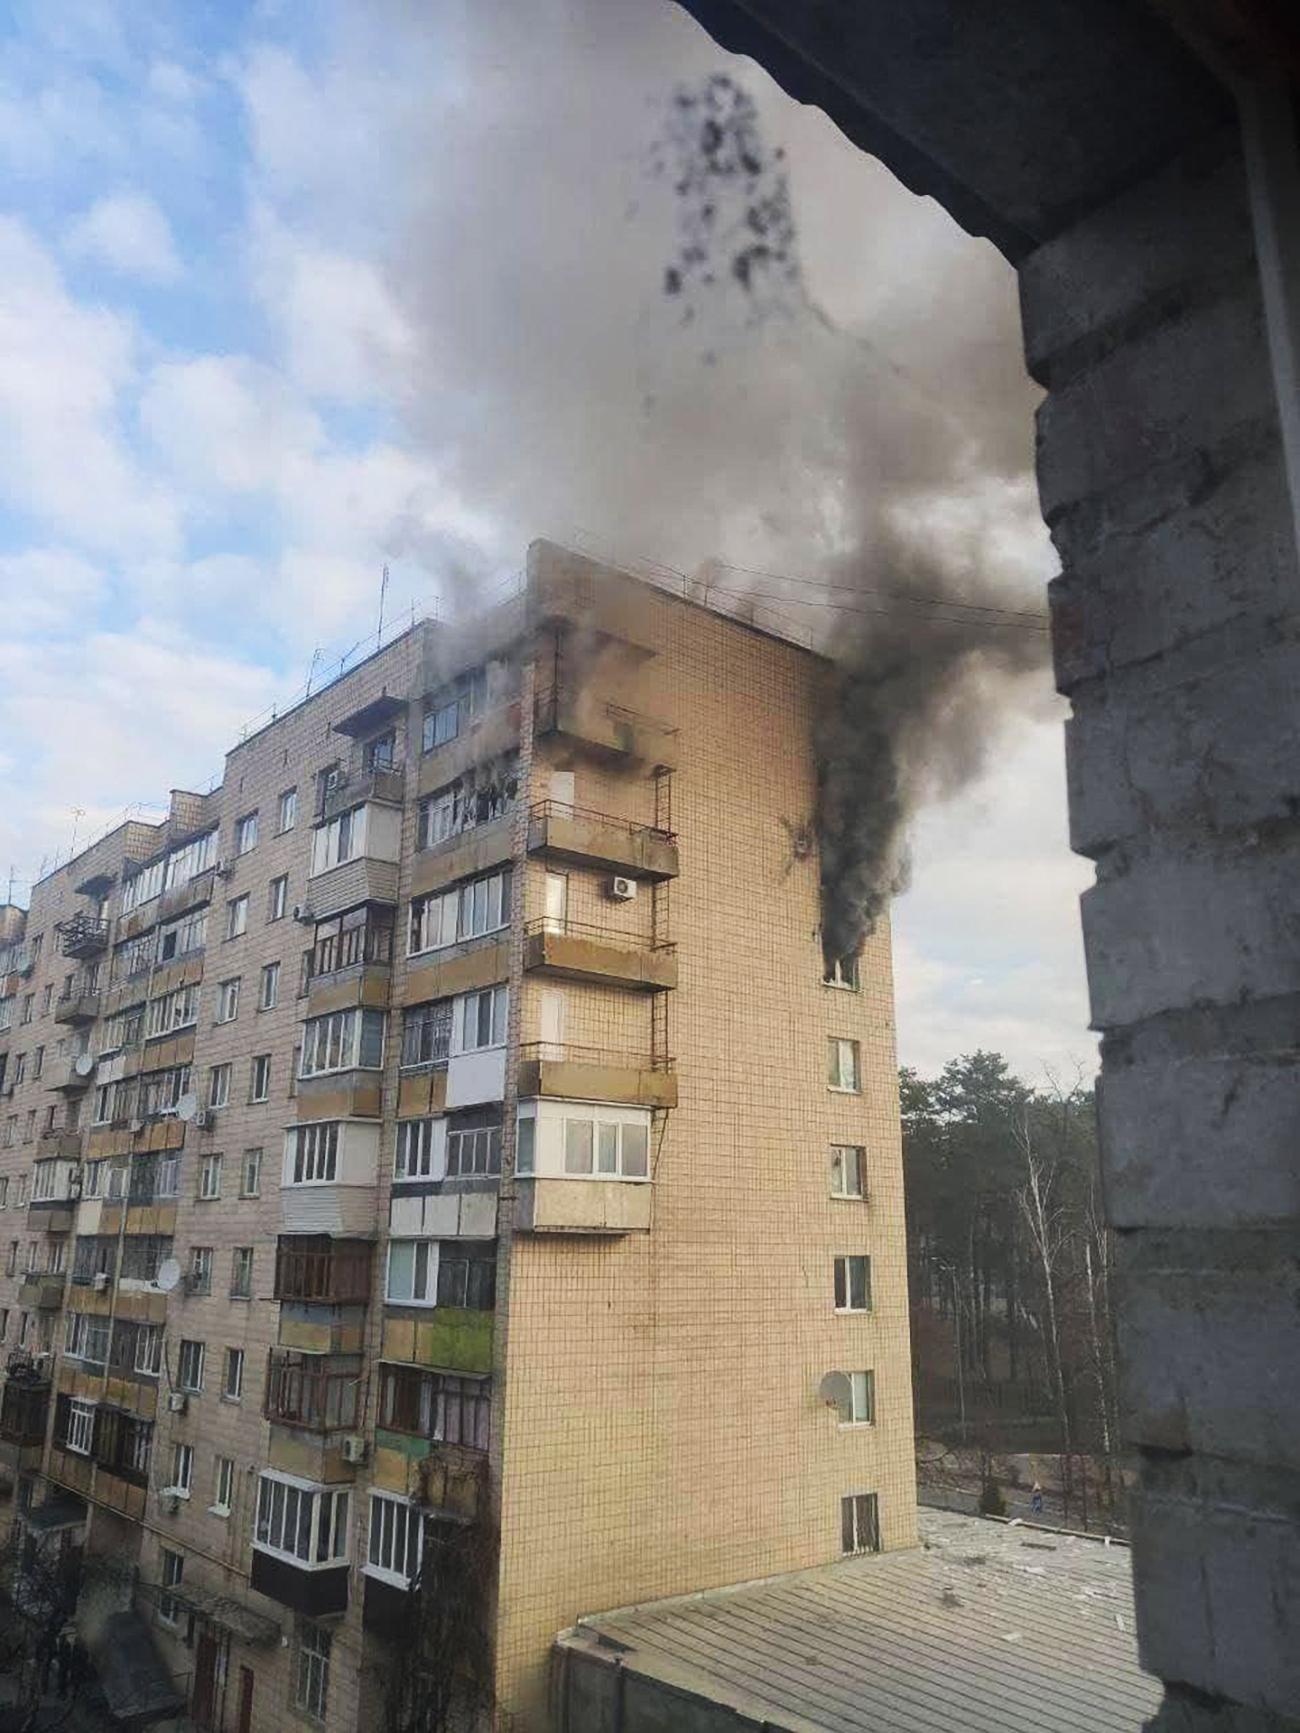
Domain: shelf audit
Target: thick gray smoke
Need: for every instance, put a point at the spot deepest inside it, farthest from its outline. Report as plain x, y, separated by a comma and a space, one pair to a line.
621, 338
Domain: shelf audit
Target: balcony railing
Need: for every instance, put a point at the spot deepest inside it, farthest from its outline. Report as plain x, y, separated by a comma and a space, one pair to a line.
332, 1275
570, 1053
588, 815
24, 1407
82, 936
612, 936
314, 1392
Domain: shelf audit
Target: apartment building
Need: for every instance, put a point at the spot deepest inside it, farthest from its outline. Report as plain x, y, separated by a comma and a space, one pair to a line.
450, 1125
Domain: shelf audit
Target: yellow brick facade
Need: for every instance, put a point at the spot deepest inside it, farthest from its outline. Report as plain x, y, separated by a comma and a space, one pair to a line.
656, 1424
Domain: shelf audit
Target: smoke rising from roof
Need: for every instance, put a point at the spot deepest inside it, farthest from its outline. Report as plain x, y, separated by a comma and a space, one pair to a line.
638, 327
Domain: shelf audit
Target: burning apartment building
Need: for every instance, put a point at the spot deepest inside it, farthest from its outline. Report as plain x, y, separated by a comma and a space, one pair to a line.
446, 1184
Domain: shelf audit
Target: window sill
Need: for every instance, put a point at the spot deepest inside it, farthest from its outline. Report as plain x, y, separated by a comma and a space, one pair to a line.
853, 1311
175, 1492
231, 1401
840, 986
842, 1089
221, 1510
848, 1197
380, 1575
857, 1426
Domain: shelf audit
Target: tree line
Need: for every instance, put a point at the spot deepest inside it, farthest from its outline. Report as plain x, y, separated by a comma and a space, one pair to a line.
1010, 1272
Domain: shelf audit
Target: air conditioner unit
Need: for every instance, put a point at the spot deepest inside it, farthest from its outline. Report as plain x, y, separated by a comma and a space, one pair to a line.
171, 1501
303, 913
136, 1125
224, 869
353, 1448
203, 1119
622, 890
177, 1402
100, 1281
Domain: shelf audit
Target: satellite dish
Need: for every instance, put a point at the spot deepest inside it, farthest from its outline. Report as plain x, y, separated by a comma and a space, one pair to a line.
187, 1106
169, 1273
836, 1392
84, 1064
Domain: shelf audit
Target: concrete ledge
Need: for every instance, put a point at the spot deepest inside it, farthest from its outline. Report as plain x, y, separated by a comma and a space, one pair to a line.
474, 851
459, 970
577, 957
578, 1080
589, 840
583, 1206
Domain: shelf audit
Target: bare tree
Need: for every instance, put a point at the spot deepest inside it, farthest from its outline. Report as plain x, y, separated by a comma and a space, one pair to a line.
43, 1584
1047, 1222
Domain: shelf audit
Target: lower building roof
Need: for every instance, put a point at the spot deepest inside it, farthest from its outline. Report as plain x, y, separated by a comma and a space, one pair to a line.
987, 1626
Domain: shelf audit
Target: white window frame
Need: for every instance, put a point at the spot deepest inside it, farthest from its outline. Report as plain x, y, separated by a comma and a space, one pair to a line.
173, 1573
219, 1085
849, 1159
190, 1366
210, 1178
81, 1426
182, 1477
396, 1532
270, 1524
839, 1047
288, 811
860, 1542
334, 1042
342, 838
862, 1399
413, 1155
498, 1018
311, 1153
311, 1686
228, 1000
270, 978
606, 1162
848, 1260
237, 917
232, 1388
246, 833
260, 1067
223, 1490
148, 1350
251, 1161
277, 898
241, 1259
423, 1292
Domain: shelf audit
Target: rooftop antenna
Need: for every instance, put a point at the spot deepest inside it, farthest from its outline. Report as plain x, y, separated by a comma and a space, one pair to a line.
383, 587
311, 672
78, 813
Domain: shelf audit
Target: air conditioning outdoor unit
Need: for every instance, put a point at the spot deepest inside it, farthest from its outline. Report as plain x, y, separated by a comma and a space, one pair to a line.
177, 1402
224, 869
353, 1448
622, 890
171, 1501
203, 1119
137, 1125
303, 913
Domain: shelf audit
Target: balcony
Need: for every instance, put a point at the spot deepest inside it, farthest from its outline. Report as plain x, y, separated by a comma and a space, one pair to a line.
606, 730
583, 1206
76, 1007
24, 1404
316, 1271
82, 936
567, 1072
576, 951
71, 1076
314, 1392
383, 783
42, 1293
598, 839
62, 1145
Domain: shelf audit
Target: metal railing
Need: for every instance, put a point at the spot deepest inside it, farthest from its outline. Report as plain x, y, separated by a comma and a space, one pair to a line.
563, 927
82, 935
548, 701
588, 815
569, 1052
317, 1399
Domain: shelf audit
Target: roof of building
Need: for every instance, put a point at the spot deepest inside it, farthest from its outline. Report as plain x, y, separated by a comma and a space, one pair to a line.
987, 1626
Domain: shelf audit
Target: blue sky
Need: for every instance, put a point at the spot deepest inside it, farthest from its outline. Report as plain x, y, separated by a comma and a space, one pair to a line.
290, 293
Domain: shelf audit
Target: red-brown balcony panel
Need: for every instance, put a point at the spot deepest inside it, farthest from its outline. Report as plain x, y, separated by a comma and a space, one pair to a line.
316, 1392
316, 1270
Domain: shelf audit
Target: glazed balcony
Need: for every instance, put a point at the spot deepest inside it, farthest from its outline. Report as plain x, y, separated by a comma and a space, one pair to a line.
41, 1292
561, 1070
383, 783
322, 1272
607, 731
24, 1406
83, 936
314, 1392
576, 951
583, 837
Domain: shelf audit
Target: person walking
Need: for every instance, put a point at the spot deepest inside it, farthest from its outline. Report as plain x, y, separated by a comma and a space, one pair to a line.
1036, 1499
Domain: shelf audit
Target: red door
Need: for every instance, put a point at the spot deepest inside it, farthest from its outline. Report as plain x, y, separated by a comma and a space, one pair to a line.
245, 1700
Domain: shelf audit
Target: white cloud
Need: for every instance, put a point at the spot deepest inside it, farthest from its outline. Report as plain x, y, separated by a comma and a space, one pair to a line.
48, 590
128, 233
225, 422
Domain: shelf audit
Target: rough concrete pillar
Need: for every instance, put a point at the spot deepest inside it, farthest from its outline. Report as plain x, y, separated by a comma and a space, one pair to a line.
1176, 627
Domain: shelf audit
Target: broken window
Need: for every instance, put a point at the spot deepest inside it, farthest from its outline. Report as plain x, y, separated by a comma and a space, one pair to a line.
860, 1522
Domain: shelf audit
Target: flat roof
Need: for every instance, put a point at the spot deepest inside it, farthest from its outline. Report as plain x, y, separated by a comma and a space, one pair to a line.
987, 1626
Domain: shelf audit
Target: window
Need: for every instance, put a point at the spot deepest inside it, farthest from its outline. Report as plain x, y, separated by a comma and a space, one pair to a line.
11, 1131
842, 1066
4, 1322
241, 1273
4, 1193
228, 1001
362, 935
189, 1373
20, 1068
342, 839
29, 1126
414, 1149
474, 1143
38, 1061
45, 1181
467, 1274
413, 1272
277, 898
311, 1691
46, 996
342, 1041
210, 1177
148, 1349
606, 1148
435, 1405
224, 1487
182, 1469
453, 708
200, 1270
853, 1284
862, 1398
29, 1008
841, 972
12, 1265
250, 1174
236, 917
86, 1338
178, 938
160, 1092
169, 1175
381, 752
246, 833
33, 1256
232, 1387
173, 1570
173, 1011
57, 1254
143, 1255
219, 1086
396, 1537
426, 1033
475, 798
288, 810
268, 993
848, 1170
259, 1085
311, 1154
860, 1522
447, 917
484, 1023
24, 1181
301, 1522
81, 1426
